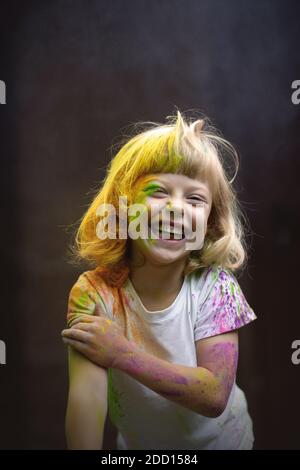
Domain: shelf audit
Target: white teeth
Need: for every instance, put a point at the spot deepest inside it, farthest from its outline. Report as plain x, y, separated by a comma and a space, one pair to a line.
171, 233
174, 233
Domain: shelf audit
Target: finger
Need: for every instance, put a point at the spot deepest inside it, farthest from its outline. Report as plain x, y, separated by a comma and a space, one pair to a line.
78, 345
78, 335
82, 326
81, 318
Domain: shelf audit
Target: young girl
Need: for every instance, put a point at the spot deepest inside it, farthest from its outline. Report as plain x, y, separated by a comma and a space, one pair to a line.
153, 327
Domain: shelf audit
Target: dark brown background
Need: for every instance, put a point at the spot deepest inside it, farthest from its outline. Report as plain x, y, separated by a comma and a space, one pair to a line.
76, 73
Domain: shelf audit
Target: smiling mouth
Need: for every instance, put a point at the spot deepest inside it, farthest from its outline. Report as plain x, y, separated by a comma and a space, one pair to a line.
165, 234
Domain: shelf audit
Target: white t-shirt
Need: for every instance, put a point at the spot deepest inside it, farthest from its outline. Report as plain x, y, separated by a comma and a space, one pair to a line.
209, 303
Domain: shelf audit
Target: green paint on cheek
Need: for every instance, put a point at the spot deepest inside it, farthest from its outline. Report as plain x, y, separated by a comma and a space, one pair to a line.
140, 198
138, 213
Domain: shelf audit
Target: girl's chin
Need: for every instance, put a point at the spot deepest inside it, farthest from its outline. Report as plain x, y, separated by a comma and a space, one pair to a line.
162, 250
163, 244
164, 253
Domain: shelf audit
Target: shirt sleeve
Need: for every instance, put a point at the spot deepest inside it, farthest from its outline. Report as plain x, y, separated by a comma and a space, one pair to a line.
225, 307
83, 298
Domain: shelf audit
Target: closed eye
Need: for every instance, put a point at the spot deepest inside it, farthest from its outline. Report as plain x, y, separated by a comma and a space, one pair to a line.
197, 199
159, 191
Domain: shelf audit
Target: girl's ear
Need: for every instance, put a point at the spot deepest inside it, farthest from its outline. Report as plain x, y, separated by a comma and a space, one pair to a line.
197, 126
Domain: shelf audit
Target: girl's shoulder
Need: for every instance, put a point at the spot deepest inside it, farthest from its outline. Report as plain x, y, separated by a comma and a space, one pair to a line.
214, 278
222, 305
208, 275
88, 290
91, 282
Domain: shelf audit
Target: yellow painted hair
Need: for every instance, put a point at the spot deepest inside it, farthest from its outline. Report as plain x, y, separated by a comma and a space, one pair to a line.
185, 146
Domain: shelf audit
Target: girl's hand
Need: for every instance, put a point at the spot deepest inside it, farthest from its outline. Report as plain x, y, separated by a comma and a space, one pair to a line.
98, 338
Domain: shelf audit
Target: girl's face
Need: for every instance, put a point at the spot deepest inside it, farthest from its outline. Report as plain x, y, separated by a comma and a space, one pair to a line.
180, 202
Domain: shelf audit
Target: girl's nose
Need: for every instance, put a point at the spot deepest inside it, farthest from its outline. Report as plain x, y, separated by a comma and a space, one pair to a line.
175, 209
175, 204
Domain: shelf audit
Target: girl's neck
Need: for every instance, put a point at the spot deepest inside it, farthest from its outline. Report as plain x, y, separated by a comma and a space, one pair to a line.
153, 280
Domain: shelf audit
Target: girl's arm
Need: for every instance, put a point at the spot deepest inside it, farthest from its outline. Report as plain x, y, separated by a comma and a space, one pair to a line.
204, 389
87, 403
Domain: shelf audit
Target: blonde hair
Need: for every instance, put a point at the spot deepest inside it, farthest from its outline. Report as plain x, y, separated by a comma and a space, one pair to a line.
192, 148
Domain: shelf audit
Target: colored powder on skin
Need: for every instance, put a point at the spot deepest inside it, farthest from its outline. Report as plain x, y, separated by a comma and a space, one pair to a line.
161, 376
83, 300
224, 357
115, 411
141, 199
151, 188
